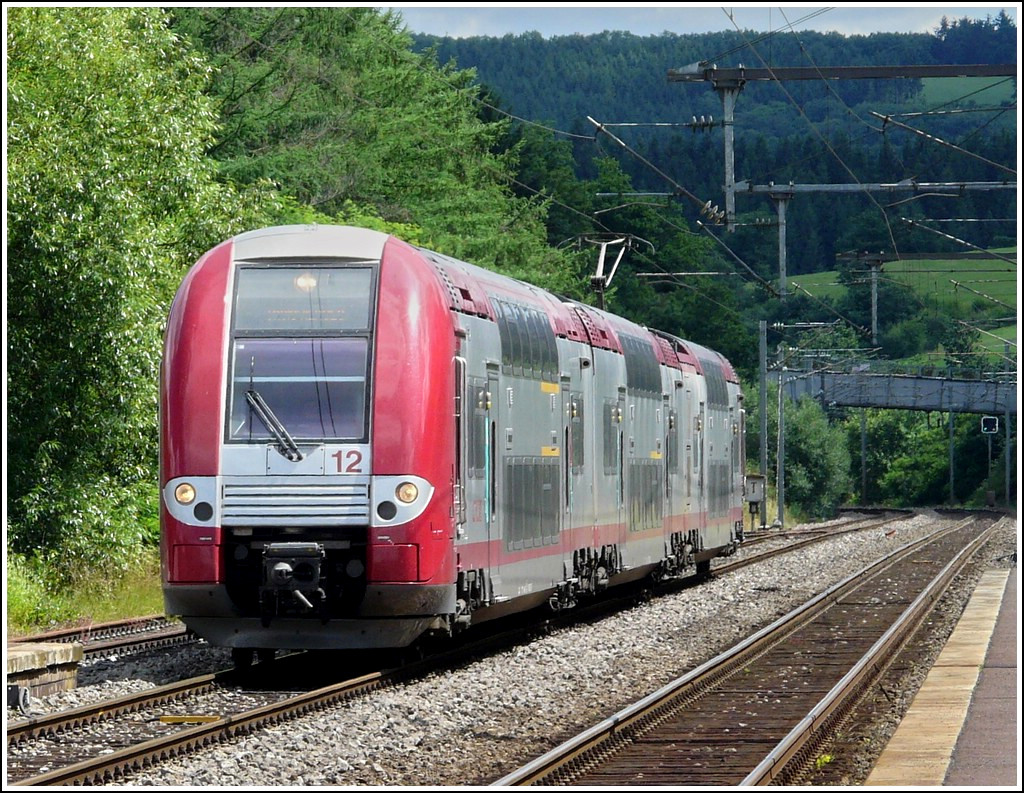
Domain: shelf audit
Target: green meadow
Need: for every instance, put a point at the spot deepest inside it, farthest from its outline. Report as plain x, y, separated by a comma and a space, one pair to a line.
981, 292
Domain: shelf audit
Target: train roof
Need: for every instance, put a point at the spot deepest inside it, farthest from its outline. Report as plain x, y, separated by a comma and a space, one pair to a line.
470, 289
278, 242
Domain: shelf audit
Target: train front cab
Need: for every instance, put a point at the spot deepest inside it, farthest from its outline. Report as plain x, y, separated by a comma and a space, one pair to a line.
306, 466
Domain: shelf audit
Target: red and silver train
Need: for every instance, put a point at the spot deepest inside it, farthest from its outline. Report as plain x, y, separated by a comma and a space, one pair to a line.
363, 442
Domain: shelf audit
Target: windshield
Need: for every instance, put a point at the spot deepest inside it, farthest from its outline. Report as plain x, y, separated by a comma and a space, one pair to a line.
315, 387
300, 344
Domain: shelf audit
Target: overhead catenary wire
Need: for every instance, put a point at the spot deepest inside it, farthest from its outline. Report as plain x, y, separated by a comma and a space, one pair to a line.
919, 225
828, 86
960, 285
703, 205
821, 137
935, 139
862, 330
675, 280
958, 111
997, 111
419, 63
994, 336
767, 285
823, 140
768, 35
971, 220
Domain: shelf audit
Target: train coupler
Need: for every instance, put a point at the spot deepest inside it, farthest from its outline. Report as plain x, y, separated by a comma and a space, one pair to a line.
292, 576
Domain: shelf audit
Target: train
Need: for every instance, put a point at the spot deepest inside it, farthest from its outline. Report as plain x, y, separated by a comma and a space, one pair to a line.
364, 443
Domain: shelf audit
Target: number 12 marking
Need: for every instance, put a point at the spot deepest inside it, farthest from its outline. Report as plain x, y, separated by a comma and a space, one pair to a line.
350, 461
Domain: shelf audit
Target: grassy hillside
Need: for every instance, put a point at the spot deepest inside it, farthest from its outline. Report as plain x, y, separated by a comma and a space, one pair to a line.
964, 287
970, 290
823, 285
984, 91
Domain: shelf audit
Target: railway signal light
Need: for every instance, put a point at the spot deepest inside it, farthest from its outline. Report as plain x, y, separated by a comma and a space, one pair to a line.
989, 425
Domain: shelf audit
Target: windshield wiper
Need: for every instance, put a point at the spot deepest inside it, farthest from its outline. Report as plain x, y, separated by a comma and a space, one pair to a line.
285, 443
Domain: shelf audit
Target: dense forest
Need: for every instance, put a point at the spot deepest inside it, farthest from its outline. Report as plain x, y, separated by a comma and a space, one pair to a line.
812, 132
137, 138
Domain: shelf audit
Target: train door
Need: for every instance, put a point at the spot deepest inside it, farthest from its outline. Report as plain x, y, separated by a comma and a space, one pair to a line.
668, 461
733, 456
492, 513
569, 408
464, 399
701, 463
741, 462
568, 442
622, 486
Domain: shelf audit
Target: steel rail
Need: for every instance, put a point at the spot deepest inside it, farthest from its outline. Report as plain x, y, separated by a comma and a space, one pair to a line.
143, 754
105, 768
821, 717
598, 739
84, 632
74, 718
809, 537
132, 635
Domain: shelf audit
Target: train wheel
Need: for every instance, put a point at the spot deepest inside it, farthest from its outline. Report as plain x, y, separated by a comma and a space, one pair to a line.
704, 569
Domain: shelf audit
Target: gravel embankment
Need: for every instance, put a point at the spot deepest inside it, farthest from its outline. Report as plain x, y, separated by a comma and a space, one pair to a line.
474, 724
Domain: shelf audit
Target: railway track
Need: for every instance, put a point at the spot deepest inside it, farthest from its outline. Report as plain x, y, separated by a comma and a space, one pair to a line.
98, 743
803, 538
144, 728
762, 712
117, 637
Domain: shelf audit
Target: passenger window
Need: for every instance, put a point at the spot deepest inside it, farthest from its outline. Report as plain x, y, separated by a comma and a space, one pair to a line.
611, 437
577, 430
506, 337
518, 338
477, 430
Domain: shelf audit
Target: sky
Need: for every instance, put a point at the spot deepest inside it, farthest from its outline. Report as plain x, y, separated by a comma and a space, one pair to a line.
561, 19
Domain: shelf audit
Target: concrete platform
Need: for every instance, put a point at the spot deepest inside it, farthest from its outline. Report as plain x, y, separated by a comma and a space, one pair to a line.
987, 753
961, 728
43, 669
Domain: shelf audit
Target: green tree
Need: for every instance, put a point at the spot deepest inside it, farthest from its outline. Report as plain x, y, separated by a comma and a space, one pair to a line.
331, 105
890, 434
908, 458
817, 461
110, 196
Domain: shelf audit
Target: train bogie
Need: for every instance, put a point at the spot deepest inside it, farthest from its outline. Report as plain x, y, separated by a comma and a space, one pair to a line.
364, 441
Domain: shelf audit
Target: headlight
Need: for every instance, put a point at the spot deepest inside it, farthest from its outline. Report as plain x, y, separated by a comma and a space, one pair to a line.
184, 493
407, 492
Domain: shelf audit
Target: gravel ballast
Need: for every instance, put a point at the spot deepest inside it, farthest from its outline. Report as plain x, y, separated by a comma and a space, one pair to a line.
475, 724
